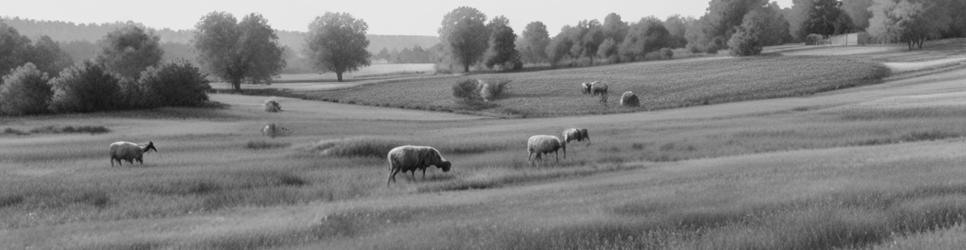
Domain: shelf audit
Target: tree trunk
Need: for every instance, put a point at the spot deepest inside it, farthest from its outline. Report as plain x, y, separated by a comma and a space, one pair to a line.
236, 83
339, 76
466, 67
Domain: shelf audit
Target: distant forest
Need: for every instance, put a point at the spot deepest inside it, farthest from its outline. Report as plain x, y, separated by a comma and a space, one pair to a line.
80, 41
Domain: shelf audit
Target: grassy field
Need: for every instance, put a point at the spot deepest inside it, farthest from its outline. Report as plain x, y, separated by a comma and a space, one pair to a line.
869, 167
661, 85
878, 170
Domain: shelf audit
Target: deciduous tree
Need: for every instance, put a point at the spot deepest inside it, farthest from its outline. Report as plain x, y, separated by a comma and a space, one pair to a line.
235, 51
533, 44
464, 35
502, 50
337, 43
129, 50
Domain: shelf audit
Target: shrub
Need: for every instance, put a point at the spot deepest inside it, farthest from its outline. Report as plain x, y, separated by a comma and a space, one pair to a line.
493, 89
814, 39
260, 145
25, 91
176, 84
363, 147
85, 88
135, 95
668, 53
745, 43
467, 90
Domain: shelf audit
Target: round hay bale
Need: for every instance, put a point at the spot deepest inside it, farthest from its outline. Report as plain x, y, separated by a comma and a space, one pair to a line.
629, 99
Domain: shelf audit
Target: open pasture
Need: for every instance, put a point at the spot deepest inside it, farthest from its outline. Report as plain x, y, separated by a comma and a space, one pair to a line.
850, 168
660, 85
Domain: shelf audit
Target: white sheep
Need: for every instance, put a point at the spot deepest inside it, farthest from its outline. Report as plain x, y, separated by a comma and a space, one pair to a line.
576, 134
129, 152
629, 99
538, 145
273, 130
410, 158
599, 88
272, 105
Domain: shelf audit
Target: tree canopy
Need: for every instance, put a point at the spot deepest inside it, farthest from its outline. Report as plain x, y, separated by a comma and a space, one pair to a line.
337, 43
533, 43
464, 35
129, 50
502, 49
235, 51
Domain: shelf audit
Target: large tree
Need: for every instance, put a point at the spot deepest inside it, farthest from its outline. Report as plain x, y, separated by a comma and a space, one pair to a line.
533, 43
591, 39
559, 47
129, 50
17, 50
464, 35
14, 49
909, 21
678, 26
502, 49
858, 11
49, 57
337, 43
644, 37
721, 20
825, 18
772, 24
235, 51
260, 45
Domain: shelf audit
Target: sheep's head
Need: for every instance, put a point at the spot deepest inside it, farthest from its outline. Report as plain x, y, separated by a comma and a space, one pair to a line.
150, 147
444, 165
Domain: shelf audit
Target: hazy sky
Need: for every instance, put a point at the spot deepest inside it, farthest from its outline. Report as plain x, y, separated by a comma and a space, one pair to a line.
403, 17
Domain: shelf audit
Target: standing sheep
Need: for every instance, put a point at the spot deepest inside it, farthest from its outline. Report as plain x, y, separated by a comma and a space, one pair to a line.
410, 158
273, 106
538, 145
629, 99
576, 134
129, 152
599, 88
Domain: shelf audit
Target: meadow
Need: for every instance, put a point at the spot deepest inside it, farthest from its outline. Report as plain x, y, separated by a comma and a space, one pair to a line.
659, 84
875, 166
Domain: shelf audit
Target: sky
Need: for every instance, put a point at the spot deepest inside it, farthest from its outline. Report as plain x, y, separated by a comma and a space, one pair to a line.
401, 17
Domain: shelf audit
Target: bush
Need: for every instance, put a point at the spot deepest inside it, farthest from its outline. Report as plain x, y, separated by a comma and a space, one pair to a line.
493, 89
745, 43
176, 84
663, 54
85, 88
135, 95
814, 39
467, 90
25, 91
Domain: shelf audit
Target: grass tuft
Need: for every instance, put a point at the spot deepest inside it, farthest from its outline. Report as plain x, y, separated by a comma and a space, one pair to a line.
263, 145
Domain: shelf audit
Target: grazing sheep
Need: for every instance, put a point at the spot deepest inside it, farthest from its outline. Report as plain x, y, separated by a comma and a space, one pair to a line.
274, 130
576, 134
538, 145
410, 158
585, 87
599, 88
629, 99
272, 105
129, 152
